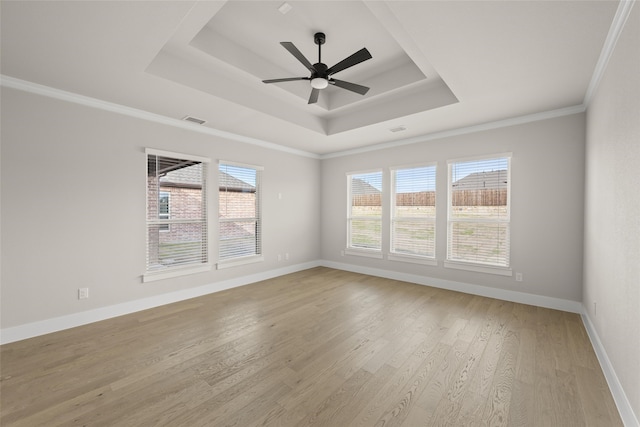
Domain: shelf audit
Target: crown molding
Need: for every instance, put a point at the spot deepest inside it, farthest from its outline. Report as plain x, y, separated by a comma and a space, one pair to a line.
617, 25
38, 89
544, 115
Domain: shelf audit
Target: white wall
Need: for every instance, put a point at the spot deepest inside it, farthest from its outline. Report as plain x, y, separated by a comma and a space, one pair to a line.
612, 213
73, 206
547, 184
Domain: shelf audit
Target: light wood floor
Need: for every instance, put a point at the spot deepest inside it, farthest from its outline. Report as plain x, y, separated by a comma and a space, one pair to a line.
320, 347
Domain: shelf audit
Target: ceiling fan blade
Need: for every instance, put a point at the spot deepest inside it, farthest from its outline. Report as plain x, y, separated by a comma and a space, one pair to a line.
313, 98
288, 79
358, 57
293, 50
350, 86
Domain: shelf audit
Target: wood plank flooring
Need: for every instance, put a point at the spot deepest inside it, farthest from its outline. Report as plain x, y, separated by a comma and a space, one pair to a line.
320, 347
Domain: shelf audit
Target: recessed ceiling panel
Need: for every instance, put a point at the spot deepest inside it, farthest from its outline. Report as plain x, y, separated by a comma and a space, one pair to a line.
239, 46
247, 35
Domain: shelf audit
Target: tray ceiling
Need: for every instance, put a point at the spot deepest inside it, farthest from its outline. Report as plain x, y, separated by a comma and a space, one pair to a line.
437, 65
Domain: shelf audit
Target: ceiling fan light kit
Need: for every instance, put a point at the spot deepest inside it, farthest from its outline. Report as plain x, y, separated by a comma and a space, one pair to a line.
319, 83
320, 76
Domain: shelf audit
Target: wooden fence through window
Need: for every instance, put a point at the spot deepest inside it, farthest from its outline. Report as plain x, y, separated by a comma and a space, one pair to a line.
484, 197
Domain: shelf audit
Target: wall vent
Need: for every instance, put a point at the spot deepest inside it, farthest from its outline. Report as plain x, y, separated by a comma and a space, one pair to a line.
194, 120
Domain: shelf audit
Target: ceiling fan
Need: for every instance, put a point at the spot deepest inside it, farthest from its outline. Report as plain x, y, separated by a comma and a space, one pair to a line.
321, 75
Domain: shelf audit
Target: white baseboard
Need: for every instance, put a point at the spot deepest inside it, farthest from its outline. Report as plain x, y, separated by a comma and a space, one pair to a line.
55, 324
485, 291
629, 418
624, 407
33, 329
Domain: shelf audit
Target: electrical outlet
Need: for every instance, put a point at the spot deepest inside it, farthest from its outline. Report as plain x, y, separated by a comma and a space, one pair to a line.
279, 257
83, 293
286, 256
518, 277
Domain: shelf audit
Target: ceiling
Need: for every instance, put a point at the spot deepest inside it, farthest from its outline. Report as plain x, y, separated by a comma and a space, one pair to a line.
436, 66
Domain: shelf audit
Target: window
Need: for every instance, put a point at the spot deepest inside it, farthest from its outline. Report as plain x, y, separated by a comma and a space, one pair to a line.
413, 213
479, 217
163, 209
364, 219
176, 239
240, 216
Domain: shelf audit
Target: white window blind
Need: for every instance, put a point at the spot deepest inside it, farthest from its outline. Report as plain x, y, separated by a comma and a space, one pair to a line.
365, 211
176, 212
479, 214
240, 213
413, 212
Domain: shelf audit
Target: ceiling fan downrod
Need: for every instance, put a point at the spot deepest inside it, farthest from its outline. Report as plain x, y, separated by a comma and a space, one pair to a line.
319, 39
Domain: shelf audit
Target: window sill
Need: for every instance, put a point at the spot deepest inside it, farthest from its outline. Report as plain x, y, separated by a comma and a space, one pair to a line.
235, 262
479, 268
414, 259
364, 253
177, 272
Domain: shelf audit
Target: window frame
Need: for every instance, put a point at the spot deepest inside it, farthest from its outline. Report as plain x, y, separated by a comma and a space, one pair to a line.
393, 218
504, 270
258, 256
164, 227
180, 270
355, 250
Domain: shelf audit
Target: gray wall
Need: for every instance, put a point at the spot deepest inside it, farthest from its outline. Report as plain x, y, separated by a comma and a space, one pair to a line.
73, 180
73, 206
547, 184
612, 214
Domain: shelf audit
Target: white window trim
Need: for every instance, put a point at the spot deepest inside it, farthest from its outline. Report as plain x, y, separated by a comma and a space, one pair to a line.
413, 259
152, 276
163, 153
250, 259
236, 262
175, 272
241, 165
349, 249
471, 266
480, 157
368, 253
397, 256
479, 268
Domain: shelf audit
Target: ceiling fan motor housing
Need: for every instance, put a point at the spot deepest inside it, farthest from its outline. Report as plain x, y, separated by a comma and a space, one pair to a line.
320, 71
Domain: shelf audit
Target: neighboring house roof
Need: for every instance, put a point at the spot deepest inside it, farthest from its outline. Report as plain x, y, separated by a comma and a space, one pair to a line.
493, 180
360, 187
191, 175
231, 183
188, 175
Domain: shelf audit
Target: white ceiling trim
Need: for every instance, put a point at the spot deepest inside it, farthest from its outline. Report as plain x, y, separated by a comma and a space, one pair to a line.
620, 18
488, 91
545, 115
87, 101
50, 92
